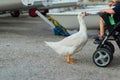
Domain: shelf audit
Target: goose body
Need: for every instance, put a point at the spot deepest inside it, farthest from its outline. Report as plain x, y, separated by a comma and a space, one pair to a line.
74, 43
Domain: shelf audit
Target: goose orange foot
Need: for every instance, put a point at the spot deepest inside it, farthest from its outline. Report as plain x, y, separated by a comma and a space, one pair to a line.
70, 60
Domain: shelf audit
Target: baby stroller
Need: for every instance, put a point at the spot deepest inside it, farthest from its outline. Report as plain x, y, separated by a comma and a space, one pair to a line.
105, 49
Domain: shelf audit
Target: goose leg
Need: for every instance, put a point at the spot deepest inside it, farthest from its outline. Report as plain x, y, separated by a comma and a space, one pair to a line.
70, 60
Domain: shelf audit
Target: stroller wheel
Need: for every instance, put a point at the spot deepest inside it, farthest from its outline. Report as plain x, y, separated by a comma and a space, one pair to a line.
109, 46
102, 57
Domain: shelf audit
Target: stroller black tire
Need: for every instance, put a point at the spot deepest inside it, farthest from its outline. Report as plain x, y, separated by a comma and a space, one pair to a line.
109, 46
102, 57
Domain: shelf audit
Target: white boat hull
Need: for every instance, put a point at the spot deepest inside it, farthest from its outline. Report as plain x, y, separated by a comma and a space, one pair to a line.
69, 19
10, 4
16, 4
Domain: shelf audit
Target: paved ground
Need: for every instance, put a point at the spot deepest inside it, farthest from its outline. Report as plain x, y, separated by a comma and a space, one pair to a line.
24, 56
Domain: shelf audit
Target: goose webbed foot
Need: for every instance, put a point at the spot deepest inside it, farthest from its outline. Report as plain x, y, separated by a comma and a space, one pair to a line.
70, 60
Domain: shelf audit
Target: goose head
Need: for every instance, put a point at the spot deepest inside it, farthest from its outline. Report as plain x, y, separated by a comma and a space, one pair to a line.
81, 15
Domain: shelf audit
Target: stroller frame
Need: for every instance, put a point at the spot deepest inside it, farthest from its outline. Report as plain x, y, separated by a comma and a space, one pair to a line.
105, 50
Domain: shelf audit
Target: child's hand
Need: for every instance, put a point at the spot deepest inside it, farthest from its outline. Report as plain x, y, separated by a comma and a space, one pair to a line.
111, 3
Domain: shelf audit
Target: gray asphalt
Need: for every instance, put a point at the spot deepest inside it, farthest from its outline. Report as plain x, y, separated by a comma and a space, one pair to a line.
24, 55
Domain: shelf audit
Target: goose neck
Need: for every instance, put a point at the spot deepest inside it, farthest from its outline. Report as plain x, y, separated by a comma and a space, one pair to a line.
82, 26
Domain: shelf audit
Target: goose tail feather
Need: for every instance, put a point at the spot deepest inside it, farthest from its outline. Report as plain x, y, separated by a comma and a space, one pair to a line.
47, 43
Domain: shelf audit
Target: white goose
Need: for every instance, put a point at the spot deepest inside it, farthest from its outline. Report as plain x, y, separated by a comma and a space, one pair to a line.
71, 44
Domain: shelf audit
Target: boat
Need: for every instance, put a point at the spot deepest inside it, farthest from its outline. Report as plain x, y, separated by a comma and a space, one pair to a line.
16, 6
68, 19
13, 4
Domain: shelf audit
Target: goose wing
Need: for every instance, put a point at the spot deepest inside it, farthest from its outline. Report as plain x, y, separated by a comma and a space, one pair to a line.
74, 39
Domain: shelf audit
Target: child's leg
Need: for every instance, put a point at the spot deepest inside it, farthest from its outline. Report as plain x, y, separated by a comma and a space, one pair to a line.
102, 30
